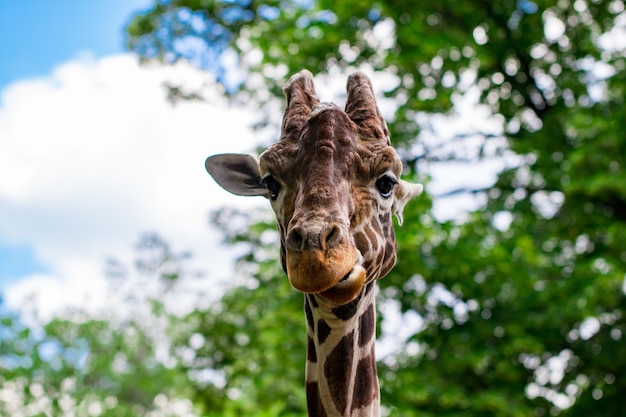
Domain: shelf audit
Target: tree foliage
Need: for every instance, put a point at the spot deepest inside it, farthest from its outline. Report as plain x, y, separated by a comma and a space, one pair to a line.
522, 302
515, 309
115, 362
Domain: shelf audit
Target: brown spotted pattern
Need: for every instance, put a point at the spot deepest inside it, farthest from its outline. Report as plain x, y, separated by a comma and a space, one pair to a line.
341, 365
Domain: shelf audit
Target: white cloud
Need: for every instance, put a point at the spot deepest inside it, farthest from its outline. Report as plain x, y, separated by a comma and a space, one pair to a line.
94, 155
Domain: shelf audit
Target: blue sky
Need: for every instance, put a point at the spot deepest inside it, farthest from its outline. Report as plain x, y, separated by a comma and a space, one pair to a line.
92, 154
35, 37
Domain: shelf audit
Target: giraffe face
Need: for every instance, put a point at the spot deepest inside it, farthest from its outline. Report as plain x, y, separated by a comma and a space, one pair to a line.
333, 195
333, 181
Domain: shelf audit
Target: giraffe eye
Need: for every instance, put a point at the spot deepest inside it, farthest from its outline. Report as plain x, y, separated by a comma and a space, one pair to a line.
272, 187
385, 185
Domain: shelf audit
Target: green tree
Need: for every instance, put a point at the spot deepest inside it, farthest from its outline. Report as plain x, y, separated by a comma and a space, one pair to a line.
110, 363
251, 343
523, 301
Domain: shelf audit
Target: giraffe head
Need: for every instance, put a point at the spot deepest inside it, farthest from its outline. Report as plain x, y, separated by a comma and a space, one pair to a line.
333, 181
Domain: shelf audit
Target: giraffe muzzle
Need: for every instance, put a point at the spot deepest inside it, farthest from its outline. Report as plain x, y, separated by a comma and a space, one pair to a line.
336, 275
348, 287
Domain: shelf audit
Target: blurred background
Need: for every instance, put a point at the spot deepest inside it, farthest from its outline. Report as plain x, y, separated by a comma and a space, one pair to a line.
132, 285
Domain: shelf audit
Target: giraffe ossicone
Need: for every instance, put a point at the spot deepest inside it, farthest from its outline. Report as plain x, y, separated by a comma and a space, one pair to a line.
333, 181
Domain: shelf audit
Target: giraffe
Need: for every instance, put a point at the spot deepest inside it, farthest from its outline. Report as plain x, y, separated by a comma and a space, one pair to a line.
333, 181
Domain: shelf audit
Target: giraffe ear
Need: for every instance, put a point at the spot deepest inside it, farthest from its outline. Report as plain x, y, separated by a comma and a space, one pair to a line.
236, 173
403, 192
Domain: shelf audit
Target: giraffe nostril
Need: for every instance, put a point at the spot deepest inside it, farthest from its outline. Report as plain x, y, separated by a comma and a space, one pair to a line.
330, 236
295, 239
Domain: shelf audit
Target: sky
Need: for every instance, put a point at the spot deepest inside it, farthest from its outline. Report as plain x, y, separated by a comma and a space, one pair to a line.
37, 35
92, 154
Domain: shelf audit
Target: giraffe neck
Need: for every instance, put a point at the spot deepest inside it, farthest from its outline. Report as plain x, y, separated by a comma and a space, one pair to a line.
341, 378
